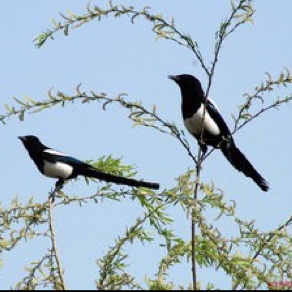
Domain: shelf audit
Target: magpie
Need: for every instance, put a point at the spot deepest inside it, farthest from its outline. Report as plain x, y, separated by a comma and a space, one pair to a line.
54, 164
201, 114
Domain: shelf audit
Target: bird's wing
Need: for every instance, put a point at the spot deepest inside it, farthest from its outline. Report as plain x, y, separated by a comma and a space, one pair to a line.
82, 168
215, 114
54, 156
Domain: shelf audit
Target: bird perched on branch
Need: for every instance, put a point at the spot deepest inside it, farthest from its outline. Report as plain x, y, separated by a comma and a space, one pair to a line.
204, 121
54, 164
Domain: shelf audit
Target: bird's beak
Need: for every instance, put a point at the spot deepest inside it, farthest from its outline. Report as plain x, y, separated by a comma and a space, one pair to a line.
173, 77
22, 138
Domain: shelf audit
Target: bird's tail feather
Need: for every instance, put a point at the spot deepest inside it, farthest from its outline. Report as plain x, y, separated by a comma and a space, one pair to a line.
240, 162
94, 173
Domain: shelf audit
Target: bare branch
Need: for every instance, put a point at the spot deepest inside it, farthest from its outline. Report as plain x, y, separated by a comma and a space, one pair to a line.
54, 249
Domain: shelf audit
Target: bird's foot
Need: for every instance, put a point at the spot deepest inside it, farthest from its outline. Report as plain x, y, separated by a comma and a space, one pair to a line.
58, 187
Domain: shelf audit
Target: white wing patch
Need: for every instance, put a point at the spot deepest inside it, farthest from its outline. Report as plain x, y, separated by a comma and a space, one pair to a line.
194, 124
57, 170
54, 152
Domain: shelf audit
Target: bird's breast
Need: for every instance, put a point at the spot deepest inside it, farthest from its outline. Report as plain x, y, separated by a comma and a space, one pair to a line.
194, 123
57, 170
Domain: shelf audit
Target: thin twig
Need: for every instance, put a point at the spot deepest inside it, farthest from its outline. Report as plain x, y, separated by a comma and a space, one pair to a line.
193, 225
272, 235
262, 246
54, 244
263, 110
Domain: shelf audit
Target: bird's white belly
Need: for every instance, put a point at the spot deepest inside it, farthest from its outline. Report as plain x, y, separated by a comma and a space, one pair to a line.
194, 124
57, 170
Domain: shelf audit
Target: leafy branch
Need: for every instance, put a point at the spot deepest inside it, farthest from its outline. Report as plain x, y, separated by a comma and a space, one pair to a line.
140, 115
161, 27
242, 13
32, 281
245, 116
26, 218
264, 243
113, 262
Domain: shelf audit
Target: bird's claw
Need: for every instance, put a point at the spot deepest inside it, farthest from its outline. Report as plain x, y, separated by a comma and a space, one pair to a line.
54, 192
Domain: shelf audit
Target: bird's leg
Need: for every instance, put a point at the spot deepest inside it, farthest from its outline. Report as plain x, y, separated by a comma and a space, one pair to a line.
204, 149
58, 186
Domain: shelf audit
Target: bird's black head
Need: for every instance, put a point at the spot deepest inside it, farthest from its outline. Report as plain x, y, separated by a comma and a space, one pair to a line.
30, 139
34, 148
31, 142
188, 83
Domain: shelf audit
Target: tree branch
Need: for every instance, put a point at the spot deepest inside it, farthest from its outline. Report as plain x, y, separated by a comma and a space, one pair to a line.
54, 246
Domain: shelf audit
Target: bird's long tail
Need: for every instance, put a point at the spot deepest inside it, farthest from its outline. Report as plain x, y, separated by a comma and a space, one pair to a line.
240, 162
94, 173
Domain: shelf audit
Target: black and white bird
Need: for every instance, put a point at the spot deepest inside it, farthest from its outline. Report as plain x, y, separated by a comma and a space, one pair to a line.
196, 110
54, 164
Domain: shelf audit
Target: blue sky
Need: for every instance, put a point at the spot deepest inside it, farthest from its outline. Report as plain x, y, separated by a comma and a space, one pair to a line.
115, 56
